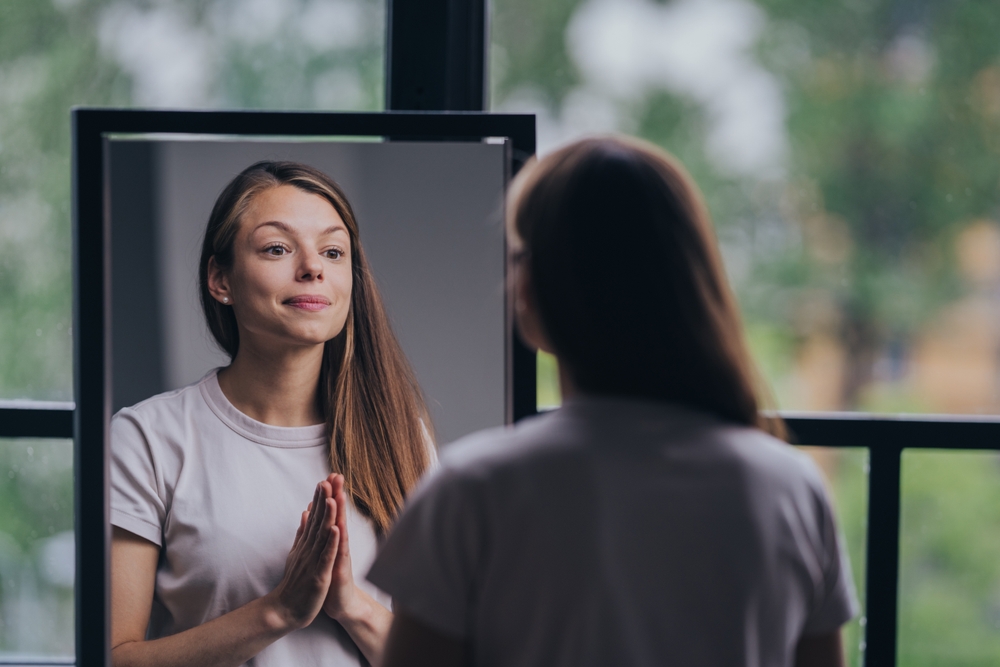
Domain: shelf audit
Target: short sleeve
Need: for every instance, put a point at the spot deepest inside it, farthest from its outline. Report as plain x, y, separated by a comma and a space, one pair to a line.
430, 561
836, 601
136, 504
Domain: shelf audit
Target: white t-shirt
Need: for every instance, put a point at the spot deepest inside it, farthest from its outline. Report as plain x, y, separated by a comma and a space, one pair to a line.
222, 495
620, 532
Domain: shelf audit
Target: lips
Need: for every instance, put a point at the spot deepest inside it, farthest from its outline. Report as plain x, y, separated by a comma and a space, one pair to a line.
308, 302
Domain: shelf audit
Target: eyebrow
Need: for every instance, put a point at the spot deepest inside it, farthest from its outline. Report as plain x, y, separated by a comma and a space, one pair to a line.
288, 230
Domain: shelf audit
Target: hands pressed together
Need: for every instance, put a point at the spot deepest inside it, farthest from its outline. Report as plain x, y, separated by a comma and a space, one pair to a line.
318, 577
318, 574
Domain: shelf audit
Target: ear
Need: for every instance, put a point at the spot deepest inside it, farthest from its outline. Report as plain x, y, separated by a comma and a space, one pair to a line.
529, 324
218, 283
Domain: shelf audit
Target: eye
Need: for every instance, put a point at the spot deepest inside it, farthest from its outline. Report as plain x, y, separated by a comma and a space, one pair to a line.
333, 253
275, 250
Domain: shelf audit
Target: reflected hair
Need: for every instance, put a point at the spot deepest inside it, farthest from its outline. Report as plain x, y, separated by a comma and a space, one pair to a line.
628, 282
368, 394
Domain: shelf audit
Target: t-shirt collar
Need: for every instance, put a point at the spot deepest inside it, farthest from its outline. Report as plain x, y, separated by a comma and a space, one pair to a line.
251, 429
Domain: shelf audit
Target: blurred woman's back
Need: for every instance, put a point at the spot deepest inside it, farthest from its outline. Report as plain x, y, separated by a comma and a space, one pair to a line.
650, 520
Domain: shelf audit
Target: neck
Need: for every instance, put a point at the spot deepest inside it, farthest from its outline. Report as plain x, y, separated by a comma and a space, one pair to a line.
275, 386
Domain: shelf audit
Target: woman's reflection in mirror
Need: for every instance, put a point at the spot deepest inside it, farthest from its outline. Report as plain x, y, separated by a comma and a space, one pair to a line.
309, 440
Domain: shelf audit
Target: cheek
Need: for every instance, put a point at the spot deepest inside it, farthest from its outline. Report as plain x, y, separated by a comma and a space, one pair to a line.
259, 283
343, 283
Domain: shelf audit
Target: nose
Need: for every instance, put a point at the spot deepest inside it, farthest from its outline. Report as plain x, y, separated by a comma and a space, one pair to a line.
310, 267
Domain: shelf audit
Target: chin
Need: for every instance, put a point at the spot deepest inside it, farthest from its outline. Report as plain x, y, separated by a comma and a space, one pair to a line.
309, 338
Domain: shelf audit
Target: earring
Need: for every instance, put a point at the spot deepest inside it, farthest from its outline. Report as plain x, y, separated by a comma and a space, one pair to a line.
225, 299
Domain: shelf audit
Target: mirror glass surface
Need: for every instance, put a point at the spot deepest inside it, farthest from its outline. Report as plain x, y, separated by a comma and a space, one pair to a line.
430, 221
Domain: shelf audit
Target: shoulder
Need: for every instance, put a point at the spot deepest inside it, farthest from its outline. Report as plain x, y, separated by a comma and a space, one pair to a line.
160, 423
484, 459
776, 476
162, 409
459, 493
772, 458
499, 447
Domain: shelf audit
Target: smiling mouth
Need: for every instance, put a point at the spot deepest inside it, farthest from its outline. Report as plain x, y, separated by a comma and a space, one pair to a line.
307, 302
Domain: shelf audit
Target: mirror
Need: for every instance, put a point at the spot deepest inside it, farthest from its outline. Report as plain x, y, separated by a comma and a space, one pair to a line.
427, 189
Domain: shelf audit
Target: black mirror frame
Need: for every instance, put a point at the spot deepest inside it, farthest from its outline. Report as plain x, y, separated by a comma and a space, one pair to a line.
92, 288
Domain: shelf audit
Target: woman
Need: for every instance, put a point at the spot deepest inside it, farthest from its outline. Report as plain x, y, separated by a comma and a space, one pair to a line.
651, 520
209, 482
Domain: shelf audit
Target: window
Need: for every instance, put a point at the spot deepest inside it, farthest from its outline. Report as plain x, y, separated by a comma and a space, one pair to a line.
849, 155
848, 151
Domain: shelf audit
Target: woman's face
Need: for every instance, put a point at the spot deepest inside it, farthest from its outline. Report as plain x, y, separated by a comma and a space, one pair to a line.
290, 282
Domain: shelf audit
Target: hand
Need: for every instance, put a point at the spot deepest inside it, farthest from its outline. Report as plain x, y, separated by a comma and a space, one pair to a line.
310, 564
343, 598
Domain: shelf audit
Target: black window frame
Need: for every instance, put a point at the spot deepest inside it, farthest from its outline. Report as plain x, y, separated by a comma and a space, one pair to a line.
435, 58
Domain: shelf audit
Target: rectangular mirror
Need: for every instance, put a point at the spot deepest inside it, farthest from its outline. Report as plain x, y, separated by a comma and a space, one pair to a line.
427, 190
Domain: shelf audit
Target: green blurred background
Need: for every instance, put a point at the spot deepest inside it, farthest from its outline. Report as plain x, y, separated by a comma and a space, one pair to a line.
849, 151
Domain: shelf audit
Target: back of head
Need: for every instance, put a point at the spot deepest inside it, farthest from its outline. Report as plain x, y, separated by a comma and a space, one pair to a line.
627, 279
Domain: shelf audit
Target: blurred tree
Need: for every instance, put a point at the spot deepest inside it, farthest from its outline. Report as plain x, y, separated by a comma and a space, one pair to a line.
47, 64
846, 259
890, 124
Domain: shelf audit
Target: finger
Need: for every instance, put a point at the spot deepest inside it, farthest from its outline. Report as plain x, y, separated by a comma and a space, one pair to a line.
329, 554
341, 499
324, 498
313, 524
328, 525
300, 530
337, 482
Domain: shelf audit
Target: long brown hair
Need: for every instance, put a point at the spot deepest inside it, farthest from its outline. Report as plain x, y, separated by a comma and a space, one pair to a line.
370, 399
628, 282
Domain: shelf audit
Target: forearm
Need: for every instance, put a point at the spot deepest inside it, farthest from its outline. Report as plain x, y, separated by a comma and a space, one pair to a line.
227, 641
368, 623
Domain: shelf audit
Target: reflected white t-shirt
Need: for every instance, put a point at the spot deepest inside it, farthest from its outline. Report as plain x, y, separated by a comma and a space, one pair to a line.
621, 532
222, 495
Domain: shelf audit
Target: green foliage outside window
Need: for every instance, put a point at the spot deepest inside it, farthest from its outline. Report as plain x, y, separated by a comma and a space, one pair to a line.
36, 548
865, 256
